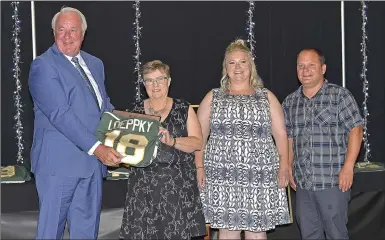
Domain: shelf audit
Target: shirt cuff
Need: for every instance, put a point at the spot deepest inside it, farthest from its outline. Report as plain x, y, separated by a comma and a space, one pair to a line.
91, 151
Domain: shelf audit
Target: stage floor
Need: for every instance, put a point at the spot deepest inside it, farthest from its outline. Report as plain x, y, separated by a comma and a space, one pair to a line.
19, 208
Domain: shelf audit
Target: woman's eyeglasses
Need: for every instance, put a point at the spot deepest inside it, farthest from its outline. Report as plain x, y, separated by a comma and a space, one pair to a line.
158, 80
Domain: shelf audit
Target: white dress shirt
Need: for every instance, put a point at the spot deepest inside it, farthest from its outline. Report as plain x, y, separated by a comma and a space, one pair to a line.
94, 86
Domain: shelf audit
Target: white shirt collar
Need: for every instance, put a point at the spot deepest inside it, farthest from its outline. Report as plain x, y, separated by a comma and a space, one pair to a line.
70, 58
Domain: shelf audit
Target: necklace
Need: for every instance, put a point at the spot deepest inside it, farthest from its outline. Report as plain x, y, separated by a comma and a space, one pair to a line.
157, 112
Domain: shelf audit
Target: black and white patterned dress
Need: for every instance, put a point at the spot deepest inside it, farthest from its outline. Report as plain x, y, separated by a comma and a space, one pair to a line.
241, 163
162, 200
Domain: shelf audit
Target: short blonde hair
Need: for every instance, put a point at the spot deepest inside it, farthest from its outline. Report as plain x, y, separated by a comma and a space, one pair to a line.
240, 45
69, 9
152, 66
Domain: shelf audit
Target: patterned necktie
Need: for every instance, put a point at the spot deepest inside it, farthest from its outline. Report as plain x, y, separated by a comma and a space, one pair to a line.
84, 76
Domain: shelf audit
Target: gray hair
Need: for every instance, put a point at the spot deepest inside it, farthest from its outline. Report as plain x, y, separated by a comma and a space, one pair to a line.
69, 9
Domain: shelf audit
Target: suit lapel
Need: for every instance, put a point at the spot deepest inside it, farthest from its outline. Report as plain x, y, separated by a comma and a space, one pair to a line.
63, 61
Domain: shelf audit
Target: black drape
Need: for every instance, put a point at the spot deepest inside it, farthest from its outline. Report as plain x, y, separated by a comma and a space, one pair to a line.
8, 86
191, 37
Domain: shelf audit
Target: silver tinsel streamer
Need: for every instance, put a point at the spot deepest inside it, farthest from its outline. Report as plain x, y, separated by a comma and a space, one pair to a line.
250, 28
365, 81
137, 34
16, 77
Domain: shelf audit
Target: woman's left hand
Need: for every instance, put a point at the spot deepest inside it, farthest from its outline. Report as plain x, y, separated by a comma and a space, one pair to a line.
166, 137
201, 177
283, 177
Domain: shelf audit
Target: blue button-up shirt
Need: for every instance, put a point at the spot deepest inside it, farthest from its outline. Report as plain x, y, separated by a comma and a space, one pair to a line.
320, 128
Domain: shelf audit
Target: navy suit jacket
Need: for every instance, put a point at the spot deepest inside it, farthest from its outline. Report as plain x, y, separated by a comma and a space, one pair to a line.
66, 115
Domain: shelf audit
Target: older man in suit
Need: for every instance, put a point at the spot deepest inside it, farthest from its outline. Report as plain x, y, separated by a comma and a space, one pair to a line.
67, 87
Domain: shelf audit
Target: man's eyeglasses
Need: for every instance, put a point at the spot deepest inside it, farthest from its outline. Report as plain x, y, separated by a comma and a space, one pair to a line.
158, 80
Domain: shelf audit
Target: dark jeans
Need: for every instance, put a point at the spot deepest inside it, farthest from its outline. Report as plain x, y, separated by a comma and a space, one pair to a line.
321, 213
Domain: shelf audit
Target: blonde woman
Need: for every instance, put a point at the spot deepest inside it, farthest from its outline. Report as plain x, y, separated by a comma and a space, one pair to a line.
246, 171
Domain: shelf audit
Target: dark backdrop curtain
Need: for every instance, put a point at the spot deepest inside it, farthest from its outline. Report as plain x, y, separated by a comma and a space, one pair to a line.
8, 86
376, 69
191, 37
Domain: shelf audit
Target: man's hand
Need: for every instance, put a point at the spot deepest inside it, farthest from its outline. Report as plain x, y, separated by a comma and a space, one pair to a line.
107, 155
345, 178
291, 180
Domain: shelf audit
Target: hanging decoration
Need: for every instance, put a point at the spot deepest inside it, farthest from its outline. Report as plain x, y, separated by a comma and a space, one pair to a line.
16, 77
250, 28
136, 37
365, 83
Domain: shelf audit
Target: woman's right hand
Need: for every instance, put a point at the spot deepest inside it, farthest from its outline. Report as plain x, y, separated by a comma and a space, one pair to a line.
166, 137
201, 177
283, 177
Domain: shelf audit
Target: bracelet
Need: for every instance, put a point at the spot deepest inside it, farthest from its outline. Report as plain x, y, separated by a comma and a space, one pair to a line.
173, 145
199, 167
